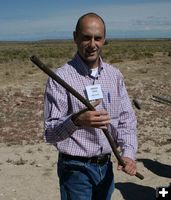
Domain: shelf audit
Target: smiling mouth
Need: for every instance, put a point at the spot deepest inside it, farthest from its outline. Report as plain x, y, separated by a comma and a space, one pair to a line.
91, 52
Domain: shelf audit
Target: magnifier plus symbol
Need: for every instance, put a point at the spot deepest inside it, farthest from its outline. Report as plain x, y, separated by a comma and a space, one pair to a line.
163, 192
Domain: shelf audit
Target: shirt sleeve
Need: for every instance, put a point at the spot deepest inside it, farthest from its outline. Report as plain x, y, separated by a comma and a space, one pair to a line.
57, 118
126, 127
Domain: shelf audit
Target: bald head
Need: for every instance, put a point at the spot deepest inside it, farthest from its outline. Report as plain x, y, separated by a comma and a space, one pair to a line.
89, 15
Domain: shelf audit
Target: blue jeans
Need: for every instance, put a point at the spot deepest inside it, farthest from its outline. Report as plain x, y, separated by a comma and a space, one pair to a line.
85, 181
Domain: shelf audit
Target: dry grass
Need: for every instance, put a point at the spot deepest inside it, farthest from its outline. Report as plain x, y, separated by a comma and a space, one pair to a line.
146, 66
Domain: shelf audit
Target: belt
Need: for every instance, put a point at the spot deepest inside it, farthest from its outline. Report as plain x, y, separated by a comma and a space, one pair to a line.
101, 159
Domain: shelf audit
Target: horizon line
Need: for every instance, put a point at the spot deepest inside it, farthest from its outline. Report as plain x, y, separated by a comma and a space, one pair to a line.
70, 39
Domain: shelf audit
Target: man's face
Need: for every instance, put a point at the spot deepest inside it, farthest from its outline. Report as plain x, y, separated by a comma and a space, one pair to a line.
90, 39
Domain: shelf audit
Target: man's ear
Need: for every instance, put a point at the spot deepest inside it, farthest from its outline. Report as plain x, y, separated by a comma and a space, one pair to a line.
75, 36
104, 42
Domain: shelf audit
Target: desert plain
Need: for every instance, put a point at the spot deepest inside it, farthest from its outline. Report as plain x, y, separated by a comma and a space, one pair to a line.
28, 164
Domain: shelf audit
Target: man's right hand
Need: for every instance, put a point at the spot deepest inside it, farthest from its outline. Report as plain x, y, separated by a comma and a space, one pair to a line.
95, 119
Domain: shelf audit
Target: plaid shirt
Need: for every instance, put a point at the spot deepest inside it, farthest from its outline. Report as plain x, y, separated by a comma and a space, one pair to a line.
59, 106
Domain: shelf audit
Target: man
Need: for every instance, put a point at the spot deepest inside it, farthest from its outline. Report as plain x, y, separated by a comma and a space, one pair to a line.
84, 166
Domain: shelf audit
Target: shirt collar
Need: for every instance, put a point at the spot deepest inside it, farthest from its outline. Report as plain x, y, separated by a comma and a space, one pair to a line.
83, 68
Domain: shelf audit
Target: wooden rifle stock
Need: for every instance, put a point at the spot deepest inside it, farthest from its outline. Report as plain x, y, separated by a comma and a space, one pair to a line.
49, 72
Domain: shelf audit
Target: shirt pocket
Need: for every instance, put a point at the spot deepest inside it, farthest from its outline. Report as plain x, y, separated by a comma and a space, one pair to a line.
112, 104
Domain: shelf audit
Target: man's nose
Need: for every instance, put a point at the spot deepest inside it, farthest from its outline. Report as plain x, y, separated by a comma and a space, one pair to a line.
92, 43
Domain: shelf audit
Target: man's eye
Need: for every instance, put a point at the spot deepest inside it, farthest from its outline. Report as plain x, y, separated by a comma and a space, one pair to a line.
98, 38
86, 38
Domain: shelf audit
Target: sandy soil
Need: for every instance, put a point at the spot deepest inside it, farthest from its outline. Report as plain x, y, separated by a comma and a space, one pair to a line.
28, 165
28, 172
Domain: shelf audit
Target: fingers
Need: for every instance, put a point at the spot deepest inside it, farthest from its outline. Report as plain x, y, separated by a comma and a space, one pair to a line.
95, 119
130, 166
98, 119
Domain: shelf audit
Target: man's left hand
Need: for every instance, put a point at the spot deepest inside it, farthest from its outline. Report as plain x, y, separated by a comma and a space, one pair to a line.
130, 167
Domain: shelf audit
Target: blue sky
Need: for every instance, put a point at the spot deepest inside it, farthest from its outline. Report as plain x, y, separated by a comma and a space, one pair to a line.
56, 19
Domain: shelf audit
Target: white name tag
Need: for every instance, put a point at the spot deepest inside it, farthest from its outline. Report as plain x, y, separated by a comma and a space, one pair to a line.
94, 92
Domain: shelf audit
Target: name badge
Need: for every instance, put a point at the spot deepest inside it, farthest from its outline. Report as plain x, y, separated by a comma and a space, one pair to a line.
94, 92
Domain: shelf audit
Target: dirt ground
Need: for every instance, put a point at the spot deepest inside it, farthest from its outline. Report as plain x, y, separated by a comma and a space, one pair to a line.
28, 165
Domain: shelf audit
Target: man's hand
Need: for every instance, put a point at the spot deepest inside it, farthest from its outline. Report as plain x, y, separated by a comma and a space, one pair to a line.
130, 167
95, 119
